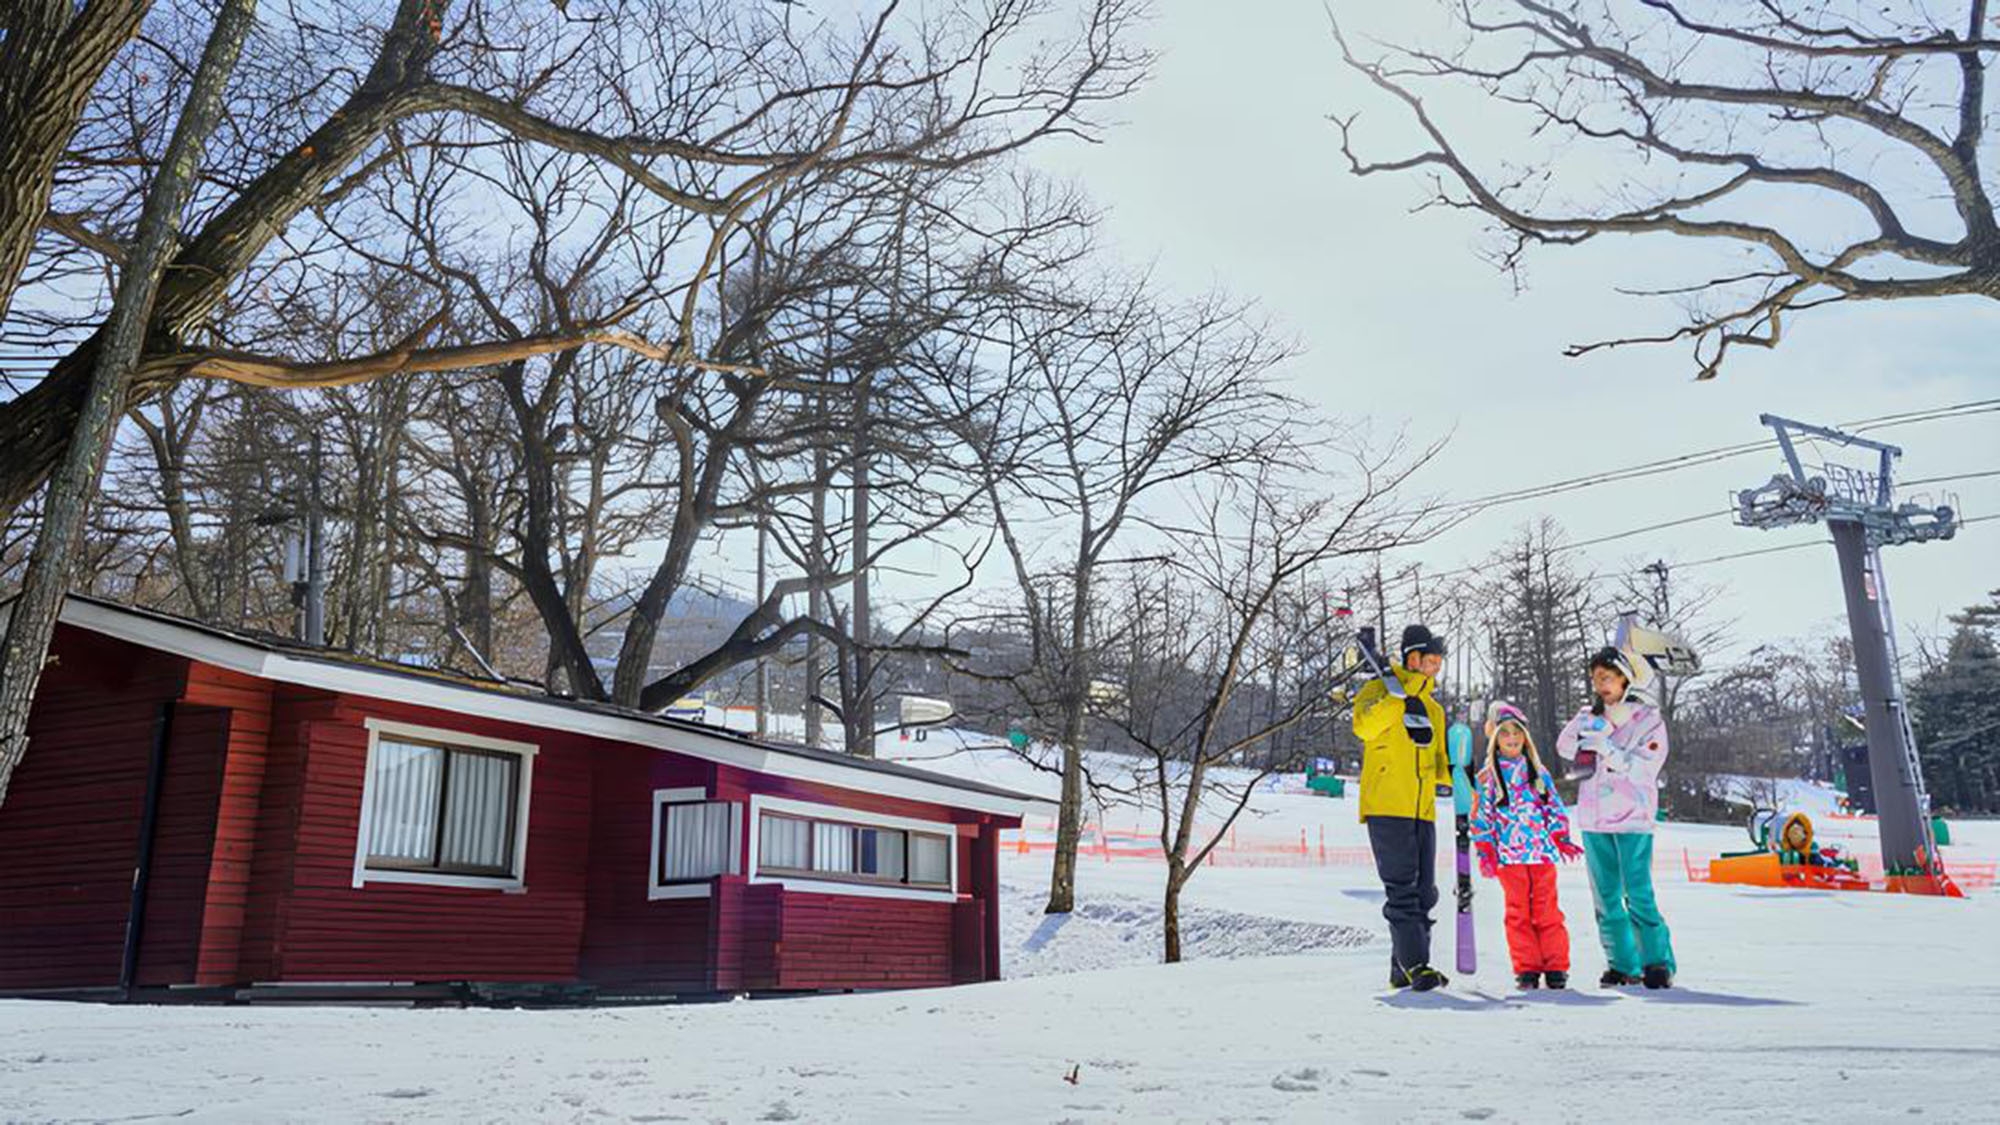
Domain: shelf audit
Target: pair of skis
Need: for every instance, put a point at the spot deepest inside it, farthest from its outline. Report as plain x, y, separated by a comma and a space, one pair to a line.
1458, 746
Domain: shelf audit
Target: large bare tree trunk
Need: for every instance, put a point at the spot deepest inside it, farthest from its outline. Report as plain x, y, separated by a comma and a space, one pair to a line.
1075, 698
32, 623
35, 427
50, 59
1171, 913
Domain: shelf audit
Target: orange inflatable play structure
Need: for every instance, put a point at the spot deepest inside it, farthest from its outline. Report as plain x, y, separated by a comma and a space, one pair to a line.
1792, 858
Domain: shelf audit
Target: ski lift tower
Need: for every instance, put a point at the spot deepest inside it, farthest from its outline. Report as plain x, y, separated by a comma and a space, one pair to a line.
1859, 509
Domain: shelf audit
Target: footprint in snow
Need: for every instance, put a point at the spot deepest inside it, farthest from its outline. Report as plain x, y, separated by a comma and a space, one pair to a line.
1480, 1114
1304, 1080
407, 1092
779, 1111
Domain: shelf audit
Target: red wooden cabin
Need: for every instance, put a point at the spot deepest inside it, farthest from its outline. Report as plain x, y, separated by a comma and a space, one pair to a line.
210, 815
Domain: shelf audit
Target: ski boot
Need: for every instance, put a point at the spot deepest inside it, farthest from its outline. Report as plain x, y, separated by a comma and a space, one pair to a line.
1423, 978
1397, 977
1612, 978
1528, 981
1658, 976
1555, 978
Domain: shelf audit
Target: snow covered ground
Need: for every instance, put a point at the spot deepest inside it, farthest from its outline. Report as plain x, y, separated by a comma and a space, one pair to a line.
1795, 1005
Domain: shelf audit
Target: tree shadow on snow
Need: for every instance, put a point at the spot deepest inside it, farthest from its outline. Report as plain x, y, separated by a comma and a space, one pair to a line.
1444, 1000
1045, 933
1565, 998
1710, 999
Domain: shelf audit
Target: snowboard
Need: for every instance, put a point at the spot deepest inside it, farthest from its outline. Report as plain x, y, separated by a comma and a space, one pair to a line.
1458, 745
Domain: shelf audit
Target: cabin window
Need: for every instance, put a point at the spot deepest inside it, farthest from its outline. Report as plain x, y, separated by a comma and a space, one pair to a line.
697, 841
439, 810
862, 853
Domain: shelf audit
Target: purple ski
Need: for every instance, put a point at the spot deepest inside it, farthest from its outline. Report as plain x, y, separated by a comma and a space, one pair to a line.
1458, 744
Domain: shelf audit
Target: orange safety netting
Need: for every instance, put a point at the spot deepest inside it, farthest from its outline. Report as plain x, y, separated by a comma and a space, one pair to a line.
1238, 848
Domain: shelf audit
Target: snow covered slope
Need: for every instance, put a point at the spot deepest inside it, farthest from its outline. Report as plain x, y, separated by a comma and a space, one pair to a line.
1796, 1005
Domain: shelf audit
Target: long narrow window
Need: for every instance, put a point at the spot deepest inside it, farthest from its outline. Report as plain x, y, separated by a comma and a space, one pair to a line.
441, 808
831, 849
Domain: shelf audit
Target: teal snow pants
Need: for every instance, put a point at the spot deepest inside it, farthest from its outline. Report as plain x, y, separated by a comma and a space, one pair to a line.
1628, 917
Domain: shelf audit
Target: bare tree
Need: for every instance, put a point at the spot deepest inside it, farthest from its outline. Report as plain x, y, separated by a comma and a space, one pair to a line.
1542, 618
32, 618
1810, 138
707, 108
1203, 627
1107, 400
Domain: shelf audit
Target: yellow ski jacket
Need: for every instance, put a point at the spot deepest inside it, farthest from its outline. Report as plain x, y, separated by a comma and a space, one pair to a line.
1398, 776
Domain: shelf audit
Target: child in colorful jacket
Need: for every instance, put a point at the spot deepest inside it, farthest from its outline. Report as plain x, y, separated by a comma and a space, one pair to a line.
1616, 806
1520, 828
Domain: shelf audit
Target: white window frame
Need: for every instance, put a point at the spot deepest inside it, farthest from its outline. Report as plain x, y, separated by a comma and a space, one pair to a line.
656, 890
516, 883
760, 804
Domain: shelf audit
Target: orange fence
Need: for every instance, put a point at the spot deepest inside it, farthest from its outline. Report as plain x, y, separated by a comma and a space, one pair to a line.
1310, 849
1237, 849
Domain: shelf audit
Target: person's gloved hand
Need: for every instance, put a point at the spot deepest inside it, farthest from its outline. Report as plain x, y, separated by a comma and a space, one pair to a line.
1595, 739
1489, 862
1566, 849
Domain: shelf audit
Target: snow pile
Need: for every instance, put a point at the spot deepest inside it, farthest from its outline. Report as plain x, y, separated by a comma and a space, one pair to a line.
1109, 931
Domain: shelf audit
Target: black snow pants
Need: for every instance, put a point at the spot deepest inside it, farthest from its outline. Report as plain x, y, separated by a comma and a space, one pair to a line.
1406, 859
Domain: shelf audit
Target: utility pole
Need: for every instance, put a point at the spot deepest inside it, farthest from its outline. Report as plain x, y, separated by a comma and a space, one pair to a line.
1860, 511
859, 711
763, 666
1659, 570
315, 615
1663, 617
816, 599
1381, 607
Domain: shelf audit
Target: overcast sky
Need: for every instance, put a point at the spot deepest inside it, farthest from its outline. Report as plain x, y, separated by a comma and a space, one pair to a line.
1225, 171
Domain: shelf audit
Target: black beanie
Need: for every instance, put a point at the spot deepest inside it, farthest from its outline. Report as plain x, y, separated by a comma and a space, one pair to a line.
1417, 638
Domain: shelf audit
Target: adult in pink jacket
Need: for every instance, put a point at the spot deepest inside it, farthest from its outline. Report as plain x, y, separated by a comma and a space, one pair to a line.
1615, 810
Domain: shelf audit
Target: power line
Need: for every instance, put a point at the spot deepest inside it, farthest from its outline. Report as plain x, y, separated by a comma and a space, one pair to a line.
1942, 480
1711, 456
1711, 515
1643, 530
1796, 546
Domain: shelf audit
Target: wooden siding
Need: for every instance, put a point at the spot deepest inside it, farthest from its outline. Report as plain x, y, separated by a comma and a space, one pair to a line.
327, 929
629, 941
238, 806
840, 941
70, 829
183, 838
844, 941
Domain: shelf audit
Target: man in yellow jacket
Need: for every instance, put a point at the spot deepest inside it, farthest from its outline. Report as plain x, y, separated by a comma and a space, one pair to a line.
1404, 769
